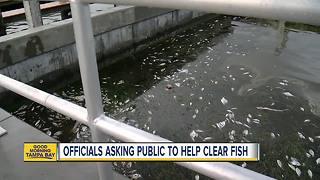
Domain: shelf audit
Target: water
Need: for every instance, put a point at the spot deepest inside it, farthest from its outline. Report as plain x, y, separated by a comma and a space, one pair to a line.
21, 25
222, 80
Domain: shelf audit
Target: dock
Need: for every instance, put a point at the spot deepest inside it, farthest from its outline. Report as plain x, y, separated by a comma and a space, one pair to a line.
11, 156
50, 7
44, 7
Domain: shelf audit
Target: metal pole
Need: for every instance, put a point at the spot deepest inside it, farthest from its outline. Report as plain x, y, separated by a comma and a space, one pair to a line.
89, 74
48, 100
33, 13
215, 170
124, 132
303, 11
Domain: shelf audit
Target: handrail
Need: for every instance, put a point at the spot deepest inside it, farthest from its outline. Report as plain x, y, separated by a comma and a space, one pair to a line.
124, 132
302, 11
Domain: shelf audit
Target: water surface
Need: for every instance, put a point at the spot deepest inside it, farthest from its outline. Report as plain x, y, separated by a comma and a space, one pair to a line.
221, 80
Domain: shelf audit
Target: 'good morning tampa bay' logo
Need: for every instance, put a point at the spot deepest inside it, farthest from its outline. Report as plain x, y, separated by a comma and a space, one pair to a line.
40, 151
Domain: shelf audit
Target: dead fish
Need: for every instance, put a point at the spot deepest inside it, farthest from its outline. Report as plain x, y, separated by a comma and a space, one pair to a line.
279, 163
224, 101
207, 138
193, 135
301, 135
310, 173
288, 94
298, 171
295, 162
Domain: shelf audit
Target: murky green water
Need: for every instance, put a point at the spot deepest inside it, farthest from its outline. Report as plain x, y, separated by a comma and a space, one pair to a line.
221, 80
21, 25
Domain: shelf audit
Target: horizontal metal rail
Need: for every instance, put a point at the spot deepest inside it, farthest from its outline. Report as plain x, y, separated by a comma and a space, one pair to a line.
124, 132
302, 11
48, 100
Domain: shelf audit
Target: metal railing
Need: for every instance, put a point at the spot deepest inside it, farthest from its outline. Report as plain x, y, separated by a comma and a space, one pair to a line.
306, 11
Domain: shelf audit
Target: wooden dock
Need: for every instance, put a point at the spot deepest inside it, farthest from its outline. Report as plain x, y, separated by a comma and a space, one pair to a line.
45, 8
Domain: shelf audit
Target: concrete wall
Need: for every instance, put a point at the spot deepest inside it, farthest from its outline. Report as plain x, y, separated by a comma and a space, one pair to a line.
31, 54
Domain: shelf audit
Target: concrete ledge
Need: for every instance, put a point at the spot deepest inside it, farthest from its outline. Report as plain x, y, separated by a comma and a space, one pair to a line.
31, 54
26, 44
4, 115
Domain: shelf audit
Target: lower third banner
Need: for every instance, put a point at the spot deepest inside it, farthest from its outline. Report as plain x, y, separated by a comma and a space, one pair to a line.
141, 152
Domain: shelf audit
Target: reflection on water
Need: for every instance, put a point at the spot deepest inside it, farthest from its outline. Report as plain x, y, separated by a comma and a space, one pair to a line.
222, 80
49, 18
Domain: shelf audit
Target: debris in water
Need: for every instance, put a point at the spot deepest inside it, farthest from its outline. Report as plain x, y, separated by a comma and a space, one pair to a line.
183, 71
288, 94
301, 135
311, 139
245, 132
207, 138
292, 167
221, 124
193, 135
224, 101
308, 155
295, 162
244, 164
199, 131
310, 173
279, 163
233, 132
136, 176
270, 109
257, 121
298, 171
231, 137
129, 164
127, 101
120, 82
197, 177
311, 152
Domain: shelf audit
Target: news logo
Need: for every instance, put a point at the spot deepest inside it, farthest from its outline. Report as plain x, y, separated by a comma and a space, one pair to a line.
40, 152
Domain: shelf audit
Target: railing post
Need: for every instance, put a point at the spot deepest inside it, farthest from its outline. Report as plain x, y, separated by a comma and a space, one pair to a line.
33, 13
89, 75
2, 131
